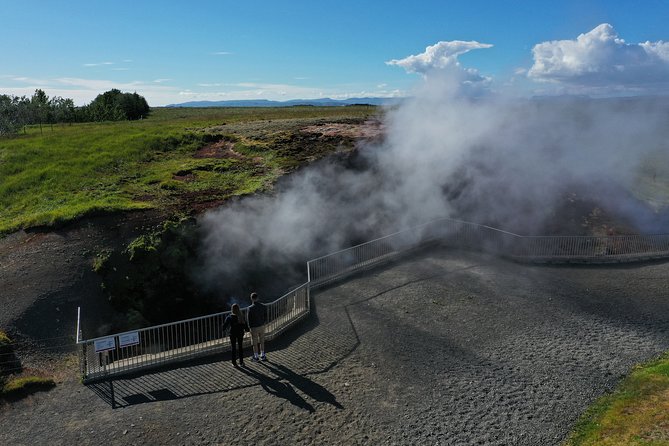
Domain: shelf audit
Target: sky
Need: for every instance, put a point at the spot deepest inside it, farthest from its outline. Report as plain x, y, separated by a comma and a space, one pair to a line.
175, 52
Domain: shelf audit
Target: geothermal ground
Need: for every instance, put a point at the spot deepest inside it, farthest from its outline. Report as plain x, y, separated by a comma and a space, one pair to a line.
441, 348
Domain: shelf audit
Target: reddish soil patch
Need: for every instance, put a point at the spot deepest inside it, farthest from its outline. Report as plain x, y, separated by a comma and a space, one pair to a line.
186, 177
367, 130
199, 201
220, 149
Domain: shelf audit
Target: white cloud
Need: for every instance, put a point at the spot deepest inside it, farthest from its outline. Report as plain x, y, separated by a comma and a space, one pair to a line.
83, 91
277, 92
29, 80
99, 64
439, 64
601, 61
158, 93
221, 53
442, 55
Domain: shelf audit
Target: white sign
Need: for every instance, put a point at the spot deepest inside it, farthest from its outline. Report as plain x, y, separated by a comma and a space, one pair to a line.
128, 339
105, 344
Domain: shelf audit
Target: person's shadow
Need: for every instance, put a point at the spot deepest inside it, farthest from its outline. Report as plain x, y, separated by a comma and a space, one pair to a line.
275, 387
304, 384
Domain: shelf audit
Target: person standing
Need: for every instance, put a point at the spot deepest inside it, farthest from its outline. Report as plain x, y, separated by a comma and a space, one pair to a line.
257, 314
238, 326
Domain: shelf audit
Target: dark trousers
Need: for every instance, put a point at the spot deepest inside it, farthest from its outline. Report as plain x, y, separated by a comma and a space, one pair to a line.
236, 343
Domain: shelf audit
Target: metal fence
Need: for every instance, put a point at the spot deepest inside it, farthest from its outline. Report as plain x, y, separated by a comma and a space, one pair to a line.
472, 236
156, 346
590, 249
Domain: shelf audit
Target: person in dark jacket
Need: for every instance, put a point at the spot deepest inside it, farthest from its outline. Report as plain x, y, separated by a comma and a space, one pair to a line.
235, 320
257, 314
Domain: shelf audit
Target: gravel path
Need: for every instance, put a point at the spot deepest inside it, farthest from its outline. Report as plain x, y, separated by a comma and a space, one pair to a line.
442, 348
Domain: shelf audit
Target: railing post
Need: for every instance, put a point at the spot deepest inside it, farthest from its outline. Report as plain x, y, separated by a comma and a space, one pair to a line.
80, 346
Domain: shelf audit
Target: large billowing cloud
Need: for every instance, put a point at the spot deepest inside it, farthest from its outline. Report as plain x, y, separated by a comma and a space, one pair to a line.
443, 56
600, 58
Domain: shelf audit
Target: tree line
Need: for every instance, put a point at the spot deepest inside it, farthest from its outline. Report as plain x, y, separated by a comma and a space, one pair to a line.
18, 112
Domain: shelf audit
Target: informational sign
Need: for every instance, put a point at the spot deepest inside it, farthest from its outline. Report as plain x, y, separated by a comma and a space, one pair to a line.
105, 344
128, 339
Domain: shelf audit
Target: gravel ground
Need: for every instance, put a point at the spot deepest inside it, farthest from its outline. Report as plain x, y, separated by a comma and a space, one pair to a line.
443, 348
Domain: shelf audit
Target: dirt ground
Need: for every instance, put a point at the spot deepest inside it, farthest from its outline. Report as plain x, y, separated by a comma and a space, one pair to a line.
441, 348
46, 274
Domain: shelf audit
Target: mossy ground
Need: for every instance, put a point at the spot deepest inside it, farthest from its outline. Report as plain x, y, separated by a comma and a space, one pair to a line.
16, 383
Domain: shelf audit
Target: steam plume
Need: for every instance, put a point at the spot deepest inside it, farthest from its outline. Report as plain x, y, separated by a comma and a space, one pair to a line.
492, 159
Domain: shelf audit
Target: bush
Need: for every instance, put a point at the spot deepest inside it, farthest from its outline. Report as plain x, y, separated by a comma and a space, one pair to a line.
100, 260
114, 105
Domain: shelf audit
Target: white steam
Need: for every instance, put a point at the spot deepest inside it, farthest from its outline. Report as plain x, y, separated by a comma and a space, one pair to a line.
497, 160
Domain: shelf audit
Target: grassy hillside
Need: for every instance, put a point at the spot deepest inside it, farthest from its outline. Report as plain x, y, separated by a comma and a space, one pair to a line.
68, 171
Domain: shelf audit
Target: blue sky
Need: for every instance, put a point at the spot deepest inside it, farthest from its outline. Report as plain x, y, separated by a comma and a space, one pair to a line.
174, 52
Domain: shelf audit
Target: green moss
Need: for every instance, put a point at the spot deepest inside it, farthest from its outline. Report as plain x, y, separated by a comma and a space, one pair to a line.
100, 260
16, 387
4, 339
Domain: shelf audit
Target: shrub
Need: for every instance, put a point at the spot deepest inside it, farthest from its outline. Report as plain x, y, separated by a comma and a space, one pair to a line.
100, 260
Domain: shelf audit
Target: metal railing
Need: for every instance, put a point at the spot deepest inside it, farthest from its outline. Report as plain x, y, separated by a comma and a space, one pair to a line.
160, 345
592, 249
338, 264
473, 236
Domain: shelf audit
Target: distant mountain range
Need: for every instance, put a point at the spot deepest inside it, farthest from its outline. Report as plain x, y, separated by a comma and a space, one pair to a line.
324, 102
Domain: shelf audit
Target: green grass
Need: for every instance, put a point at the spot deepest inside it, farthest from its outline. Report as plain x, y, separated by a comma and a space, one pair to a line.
75, 170
24, 385
637, 413
17, 386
